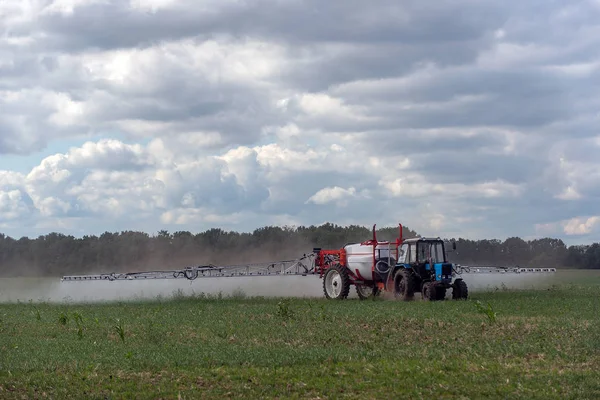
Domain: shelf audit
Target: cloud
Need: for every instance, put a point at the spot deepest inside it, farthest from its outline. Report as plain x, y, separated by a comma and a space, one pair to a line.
581, 226
578, 226
468, 118
335, 194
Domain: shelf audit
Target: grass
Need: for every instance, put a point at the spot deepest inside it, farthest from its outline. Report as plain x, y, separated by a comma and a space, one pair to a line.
500, 344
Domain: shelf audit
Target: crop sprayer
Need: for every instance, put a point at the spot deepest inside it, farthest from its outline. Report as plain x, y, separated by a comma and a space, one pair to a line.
402, 267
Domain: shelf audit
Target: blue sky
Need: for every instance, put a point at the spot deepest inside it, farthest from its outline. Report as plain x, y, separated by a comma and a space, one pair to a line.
25, 163
469, 119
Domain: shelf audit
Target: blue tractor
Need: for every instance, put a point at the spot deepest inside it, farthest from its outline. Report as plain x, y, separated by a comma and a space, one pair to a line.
423, 267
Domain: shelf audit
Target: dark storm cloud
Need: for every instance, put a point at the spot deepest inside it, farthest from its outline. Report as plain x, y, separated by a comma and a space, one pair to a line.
115, 24
469, 97
437, 85
330, 42
417, 142
550, 22
337, 65
477, 167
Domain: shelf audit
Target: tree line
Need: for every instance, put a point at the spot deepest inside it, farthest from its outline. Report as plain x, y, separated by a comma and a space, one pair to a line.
57, 254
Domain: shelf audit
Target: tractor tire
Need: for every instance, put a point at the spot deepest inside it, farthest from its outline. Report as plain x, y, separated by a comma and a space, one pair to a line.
336, 283
429, 291
460, 290
404, 284
366, 291
440, 293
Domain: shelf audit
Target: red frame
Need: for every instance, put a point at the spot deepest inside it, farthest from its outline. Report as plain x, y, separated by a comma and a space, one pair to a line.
341, 257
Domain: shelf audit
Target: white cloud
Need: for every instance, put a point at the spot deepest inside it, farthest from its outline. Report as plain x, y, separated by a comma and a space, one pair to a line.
12, 205
335, 194
577, 226
569, 194
151, 5
66, 7
581, 226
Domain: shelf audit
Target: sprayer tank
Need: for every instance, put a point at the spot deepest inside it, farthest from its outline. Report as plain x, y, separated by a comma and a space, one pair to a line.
360, 257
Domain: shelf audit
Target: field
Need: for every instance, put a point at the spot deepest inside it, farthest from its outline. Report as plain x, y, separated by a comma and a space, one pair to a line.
530, 344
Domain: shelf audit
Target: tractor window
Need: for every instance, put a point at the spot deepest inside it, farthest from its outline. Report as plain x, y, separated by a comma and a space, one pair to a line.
402, 256
423, 249
437, 252
412, 255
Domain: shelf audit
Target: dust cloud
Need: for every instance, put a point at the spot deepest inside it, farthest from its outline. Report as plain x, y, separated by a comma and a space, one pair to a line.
27, 287
54, 291
490, 281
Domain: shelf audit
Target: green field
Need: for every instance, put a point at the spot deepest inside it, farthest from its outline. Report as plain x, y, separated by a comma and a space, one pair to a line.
542, 344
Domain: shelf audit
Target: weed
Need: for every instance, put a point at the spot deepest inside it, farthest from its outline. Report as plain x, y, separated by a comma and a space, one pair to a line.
489, 311
284, 311
63, 318
77, 318
238, 294
79, 322
154, 334
119, 329
179, 294
201, 296
322, 314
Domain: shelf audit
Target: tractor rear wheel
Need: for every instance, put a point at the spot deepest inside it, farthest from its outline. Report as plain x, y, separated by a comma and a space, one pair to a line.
460, 290
336, 282
404, 284
366, 291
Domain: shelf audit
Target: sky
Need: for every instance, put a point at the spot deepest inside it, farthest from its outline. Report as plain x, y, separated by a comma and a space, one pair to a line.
473, 119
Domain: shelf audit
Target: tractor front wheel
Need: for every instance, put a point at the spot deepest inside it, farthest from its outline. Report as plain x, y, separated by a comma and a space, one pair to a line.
441, 292
459, 290
429, 291
336, 282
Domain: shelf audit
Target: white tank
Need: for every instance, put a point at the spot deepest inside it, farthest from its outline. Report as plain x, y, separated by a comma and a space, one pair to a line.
360, 258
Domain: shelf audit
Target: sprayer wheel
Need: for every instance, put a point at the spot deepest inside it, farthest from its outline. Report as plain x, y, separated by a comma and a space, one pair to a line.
404, 284
460, 290
191, 274
336, 282
366, 291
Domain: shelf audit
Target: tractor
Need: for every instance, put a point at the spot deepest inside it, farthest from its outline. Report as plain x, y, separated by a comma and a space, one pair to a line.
423, 267
401, 267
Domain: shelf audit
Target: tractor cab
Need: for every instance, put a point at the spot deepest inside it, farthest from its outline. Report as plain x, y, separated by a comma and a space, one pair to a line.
426, 257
